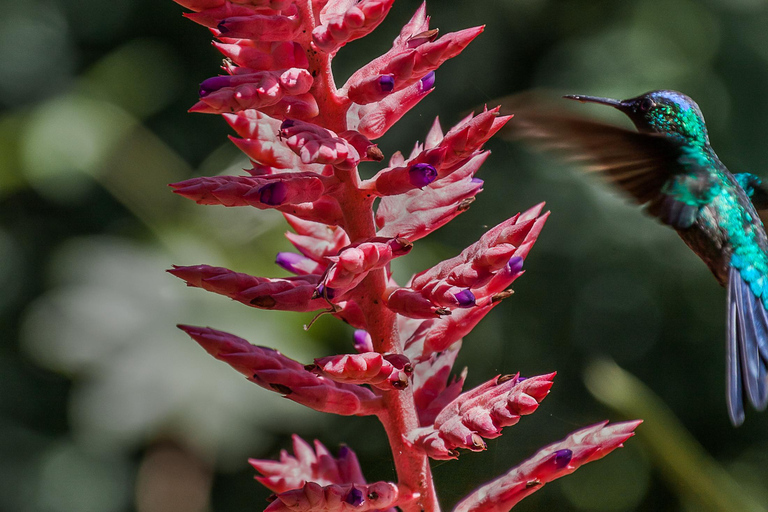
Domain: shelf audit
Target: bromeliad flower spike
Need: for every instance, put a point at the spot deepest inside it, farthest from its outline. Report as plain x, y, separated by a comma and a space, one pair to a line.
305, 138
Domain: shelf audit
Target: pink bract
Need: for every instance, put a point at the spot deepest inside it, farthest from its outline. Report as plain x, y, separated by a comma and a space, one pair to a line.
305, 138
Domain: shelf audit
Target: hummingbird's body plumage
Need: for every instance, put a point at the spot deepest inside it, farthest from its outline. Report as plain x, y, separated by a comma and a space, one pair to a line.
669, 165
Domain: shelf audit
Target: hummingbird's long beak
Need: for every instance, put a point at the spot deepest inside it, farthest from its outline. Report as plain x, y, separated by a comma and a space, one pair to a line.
595, 99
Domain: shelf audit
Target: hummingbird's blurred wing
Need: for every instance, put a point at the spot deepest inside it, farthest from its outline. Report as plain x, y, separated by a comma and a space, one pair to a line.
639, 163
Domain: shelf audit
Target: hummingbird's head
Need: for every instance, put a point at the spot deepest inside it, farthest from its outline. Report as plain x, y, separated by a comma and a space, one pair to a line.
669, 112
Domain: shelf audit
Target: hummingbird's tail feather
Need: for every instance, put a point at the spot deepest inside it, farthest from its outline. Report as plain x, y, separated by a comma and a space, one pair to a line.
746, 349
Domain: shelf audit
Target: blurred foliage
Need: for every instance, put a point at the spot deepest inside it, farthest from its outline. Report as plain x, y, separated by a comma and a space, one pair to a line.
105, 406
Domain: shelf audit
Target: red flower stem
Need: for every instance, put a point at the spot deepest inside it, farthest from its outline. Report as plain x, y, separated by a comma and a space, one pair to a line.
398, 414
333, 109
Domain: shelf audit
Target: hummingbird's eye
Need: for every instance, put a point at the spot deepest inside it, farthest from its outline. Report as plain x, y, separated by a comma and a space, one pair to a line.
646, 104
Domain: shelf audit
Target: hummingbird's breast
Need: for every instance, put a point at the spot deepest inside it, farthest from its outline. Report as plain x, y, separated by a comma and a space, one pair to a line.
710, 242
728, 231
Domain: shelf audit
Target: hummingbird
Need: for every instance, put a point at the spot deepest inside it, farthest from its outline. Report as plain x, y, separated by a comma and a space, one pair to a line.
668, 165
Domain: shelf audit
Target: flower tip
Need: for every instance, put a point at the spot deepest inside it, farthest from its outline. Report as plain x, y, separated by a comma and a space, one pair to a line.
213, 84
354, 497
362, 341
498, 297
465, 298
427, 36
465, 203
222, 27
509, 376
401, 245
427, 82
185, 328
177, 271
288, 260
201, 108
625, 429
324, 291
478, 444
562, 458
421, 175
273, 194
387, 83
515, 264
374, 153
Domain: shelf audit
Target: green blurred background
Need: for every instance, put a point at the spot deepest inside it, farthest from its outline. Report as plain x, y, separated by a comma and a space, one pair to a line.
105, 406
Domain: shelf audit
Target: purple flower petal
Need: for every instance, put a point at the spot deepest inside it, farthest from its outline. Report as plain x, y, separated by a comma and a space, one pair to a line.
387, 83
222, 27
324, 291
421, 175
287, 123
288, 260
273, 194
354, 497
213, 84
363, 341
515, 264
562, 457
465, 298
427, 82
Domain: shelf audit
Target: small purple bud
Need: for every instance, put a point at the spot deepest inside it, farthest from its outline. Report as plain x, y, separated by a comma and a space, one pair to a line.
287, 123
421, 175
273, 194
363, 342
288, 260
477, 181
344, 452
562, 457
521, 378
354, 497
387, 83
465, 298
427, 82
222, 27
515, 264
212, 84
324, 291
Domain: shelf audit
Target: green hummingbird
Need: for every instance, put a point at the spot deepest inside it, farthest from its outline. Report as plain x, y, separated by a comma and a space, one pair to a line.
669, 166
